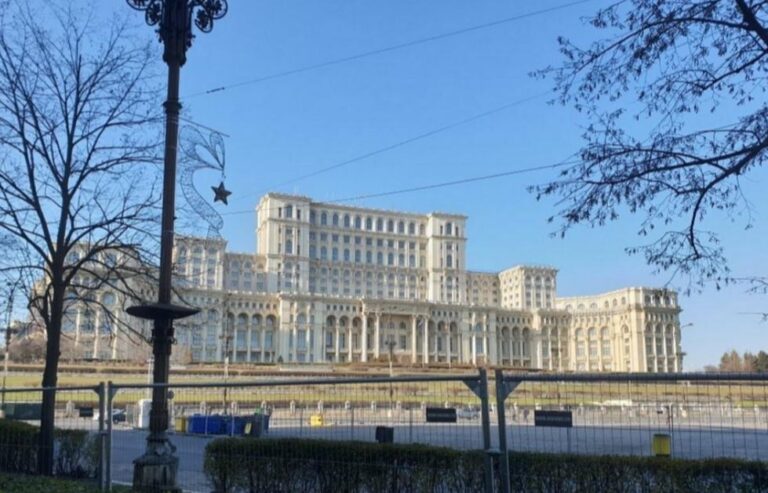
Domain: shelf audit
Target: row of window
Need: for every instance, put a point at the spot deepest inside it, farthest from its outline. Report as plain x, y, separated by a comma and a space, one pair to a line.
368, 224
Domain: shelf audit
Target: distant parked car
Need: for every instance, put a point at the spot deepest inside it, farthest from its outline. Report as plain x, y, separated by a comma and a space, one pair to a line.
467, 413
118, 416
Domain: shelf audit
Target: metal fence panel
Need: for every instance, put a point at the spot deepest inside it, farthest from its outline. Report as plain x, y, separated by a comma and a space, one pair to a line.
704, 416
329, 409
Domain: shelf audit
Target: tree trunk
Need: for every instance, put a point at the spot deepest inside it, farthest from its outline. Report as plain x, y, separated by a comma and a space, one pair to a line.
50, 378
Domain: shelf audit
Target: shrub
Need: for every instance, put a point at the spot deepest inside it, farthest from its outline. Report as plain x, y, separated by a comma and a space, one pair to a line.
573, 473
18, 447
282, 465
76, 451
261, 465
36, 484
77, 454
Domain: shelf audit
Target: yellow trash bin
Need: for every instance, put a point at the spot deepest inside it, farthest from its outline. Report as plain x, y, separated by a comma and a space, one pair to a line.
180, 424
316, 420
661, 445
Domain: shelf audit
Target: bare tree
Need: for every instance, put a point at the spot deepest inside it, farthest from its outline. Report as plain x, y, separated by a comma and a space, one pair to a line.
78, 166
693, 72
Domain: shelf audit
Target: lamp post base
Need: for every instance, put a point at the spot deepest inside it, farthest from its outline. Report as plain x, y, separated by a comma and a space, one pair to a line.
155, 471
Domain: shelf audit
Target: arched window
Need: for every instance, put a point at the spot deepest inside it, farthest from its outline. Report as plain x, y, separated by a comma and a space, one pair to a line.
323, 253
379, 224
335, 219
448, 228
379, 258
449, 261
347, 223
401, 227
390, 259
368, 257
391, 226
358, 222
323, 219
368, 223
411, 229
312, 218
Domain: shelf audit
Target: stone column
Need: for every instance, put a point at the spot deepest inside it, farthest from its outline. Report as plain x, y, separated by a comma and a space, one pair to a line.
572, 349
448, 345
364, 340
377, 335
294, 351
320, 342
473, 340
536, 352
414, 338
425, 342
492, 355
336, 341
97, 334
249, 339
349, 342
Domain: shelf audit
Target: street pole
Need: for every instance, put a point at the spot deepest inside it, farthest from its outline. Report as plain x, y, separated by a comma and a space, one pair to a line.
11, 295
227, 337
156, 469
391, 345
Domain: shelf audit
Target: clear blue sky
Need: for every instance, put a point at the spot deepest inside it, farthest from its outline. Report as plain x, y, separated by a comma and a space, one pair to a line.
285, 127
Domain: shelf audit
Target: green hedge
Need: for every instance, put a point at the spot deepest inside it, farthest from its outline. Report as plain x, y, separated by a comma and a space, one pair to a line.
76, 451
286, 465
36, 484
540, 473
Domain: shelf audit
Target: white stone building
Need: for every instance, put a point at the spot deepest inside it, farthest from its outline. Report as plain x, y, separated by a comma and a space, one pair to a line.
333, 283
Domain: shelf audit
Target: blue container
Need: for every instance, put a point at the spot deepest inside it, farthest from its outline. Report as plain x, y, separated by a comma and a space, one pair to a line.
216, 425
196, 424
235, 425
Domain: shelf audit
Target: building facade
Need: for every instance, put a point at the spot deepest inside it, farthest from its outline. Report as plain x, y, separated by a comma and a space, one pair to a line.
333, 283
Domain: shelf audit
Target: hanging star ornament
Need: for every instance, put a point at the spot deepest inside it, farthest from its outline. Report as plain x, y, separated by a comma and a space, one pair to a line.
220, 193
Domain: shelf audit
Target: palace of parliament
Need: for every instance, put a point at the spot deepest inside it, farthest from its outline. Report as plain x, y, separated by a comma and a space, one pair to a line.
333, 284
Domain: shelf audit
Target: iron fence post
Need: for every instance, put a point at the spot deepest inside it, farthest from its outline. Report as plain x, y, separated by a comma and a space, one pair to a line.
111, 391
485, 414
502, 424
102, 436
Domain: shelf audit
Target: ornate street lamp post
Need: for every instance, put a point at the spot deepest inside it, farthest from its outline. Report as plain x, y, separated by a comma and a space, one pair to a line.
156, 469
